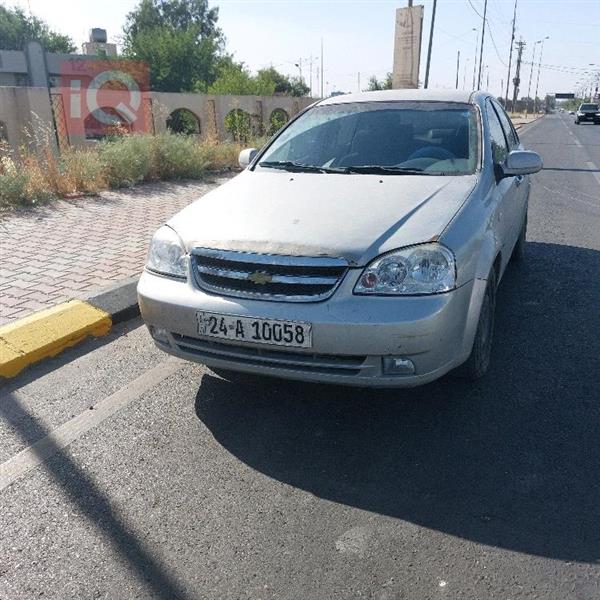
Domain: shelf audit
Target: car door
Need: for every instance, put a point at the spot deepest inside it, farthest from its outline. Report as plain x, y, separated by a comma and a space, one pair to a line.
506, 188
521, 182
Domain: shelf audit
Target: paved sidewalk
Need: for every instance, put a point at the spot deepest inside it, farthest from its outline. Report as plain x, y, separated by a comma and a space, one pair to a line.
72, 247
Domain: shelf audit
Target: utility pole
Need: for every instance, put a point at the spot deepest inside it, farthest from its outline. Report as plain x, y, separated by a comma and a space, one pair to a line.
517, 78
299, 65
322, 73
457, 67
482, 42
430, 44
530, 78
512, 41
537, 83
475, 57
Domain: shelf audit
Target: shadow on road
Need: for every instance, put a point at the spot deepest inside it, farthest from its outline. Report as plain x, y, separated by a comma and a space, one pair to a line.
93, 503
512, 461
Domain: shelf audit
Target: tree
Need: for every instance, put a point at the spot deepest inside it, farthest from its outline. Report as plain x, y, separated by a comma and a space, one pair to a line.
384, 84
288, 86
178, 39
234, 78
16, 29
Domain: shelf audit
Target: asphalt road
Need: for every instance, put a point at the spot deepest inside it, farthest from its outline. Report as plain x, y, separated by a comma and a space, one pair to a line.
163, 480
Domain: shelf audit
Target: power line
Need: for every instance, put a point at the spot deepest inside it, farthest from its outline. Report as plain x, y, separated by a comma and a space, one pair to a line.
564, 68
476, 11
496, 47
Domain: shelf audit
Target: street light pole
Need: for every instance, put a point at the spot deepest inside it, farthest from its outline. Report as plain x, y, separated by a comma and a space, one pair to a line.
530, 78
322, 71
512, 42
457, 67
482, 42
475, 57
430, 44
537, 83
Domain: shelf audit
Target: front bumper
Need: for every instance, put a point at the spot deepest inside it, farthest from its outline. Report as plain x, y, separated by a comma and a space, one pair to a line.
351, 334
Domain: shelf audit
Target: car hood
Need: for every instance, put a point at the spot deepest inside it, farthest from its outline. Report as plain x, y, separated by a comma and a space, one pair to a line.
356, 217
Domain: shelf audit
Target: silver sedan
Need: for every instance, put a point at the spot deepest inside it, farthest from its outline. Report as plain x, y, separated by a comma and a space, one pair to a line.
362, 245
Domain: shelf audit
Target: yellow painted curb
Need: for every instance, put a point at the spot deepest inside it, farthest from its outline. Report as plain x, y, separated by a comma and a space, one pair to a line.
47, 333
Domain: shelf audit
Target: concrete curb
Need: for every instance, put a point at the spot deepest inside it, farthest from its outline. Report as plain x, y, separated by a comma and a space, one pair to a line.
48, 332
521, 124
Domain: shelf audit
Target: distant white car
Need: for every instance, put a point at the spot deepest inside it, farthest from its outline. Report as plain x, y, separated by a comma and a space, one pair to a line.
362, 245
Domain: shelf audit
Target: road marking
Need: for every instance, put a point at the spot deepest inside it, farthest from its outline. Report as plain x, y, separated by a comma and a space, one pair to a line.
527, 127
67, 433
594, 169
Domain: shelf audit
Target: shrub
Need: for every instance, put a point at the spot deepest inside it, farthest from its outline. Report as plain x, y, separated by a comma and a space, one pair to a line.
28, 178
13, 188
177, 156
239, 124
277, 120
85, 170
126, 160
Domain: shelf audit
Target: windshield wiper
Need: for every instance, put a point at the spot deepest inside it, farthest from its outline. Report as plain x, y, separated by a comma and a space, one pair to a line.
294, 167
381, 170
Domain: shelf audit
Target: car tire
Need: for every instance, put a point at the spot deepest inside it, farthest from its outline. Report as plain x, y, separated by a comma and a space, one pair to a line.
518, 253
576, 122
478, 362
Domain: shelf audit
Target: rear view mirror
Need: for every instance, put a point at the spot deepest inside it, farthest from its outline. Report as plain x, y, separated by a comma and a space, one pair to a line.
521, 162
246, 157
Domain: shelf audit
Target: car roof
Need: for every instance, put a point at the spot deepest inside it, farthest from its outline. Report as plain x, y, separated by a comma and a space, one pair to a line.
429, 95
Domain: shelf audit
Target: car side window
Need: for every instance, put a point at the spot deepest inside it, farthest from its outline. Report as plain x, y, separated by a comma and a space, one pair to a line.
509, 131
499, 145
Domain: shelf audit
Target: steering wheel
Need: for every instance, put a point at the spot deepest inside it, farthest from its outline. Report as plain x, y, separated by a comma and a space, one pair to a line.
432, 152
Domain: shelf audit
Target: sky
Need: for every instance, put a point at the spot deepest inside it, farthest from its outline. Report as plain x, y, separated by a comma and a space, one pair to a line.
358, 37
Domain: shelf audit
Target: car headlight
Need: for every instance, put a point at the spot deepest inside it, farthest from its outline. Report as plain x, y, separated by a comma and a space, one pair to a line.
167, 255
422, 269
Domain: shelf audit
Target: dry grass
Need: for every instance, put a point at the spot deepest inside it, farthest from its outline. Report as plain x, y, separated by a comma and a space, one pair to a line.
27, 178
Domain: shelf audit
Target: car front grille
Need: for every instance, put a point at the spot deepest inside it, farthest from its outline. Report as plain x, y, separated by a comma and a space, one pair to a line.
267, 276
267, 357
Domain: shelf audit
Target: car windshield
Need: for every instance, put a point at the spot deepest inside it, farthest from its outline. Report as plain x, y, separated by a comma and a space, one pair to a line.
589, 107
428, 138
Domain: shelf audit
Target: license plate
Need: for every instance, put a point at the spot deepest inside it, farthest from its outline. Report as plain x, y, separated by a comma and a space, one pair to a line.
293, 334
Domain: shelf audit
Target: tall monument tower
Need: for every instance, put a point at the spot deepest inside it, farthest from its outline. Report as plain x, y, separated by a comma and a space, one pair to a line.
407, 46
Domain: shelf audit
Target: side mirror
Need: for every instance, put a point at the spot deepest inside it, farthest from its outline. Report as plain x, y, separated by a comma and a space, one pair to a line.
521, 162
246, 157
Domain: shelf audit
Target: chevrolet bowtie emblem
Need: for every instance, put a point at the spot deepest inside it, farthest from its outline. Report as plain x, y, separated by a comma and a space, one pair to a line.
260, 277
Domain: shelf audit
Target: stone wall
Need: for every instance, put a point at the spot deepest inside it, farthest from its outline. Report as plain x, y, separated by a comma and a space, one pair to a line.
212, 110
35, 111
26, 116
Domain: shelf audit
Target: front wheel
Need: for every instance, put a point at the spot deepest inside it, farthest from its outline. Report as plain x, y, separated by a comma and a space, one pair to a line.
479, 360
